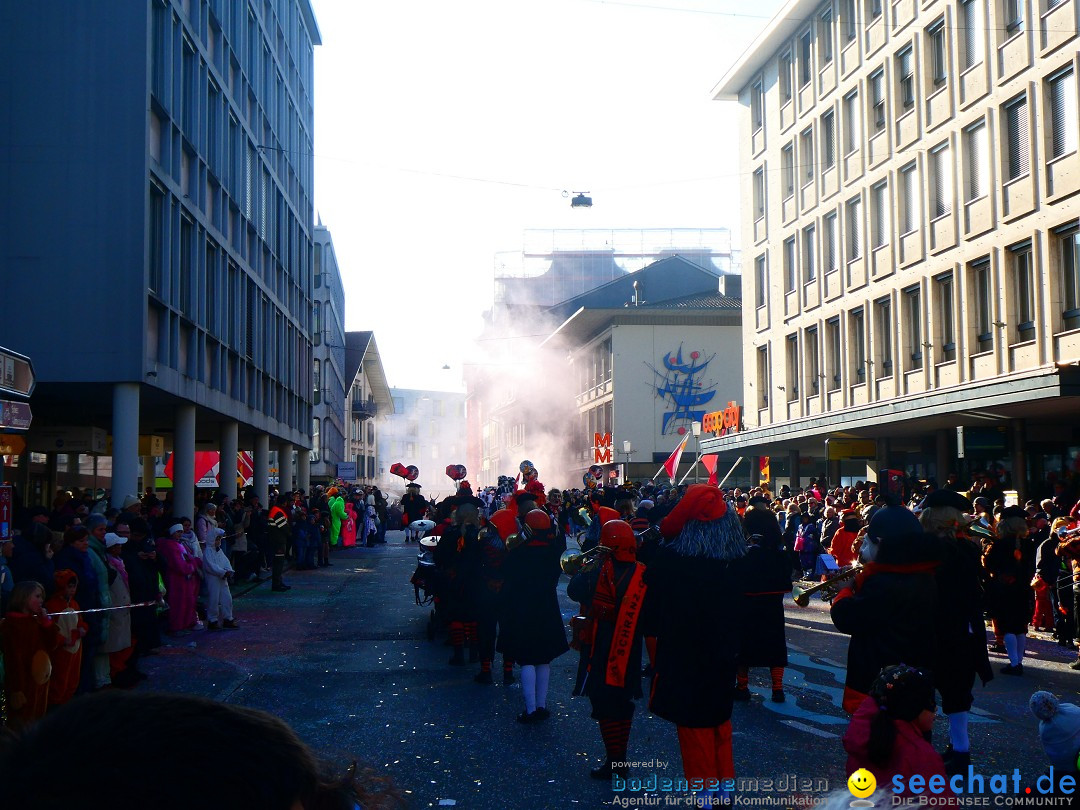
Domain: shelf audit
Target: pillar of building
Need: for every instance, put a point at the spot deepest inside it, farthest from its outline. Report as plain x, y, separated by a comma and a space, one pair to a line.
755, 471
835, 472
285, 467
184, 462
261, 463
229, 447
1019, 458
149, 474
881, 461
125, 449
793, 469
941, 438
303, 470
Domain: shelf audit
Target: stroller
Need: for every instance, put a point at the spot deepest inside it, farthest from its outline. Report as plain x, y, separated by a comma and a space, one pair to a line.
427, 580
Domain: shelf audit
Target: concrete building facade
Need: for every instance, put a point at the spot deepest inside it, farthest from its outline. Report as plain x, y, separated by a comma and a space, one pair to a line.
910, 231
368, 404
156, 175
328, 424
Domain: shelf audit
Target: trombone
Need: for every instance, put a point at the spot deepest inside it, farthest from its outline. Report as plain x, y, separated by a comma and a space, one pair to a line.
828, 589
574, 562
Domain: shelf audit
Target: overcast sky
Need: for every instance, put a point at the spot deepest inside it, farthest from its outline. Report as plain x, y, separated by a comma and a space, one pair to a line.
444, 130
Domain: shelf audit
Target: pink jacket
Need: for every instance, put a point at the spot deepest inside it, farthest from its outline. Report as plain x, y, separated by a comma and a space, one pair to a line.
911, 755
178, 560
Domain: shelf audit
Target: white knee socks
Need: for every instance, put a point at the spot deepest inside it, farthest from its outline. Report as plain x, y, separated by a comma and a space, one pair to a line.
958, 732
1012, 649
543, 673
528, 686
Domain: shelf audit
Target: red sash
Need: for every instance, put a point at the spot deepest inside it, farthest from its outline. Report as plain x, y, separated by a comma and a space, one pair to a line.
625, 626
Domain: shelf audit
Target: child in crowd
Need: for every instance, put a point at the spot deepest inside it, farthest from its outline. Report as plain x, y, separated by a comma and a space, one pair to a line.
67, 657
218, 571
180, 570
887, 733
27, 636
1059, 731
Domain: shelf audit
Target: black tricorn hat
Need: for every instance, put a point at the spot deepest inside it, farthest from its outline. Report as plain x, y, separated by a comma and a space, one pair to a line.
1014, 512
946, 497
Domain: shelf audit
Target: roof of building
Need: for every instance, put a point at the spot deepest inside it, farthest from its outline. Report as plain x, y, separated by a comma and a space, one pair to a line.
361, 351
698, 301
781, 28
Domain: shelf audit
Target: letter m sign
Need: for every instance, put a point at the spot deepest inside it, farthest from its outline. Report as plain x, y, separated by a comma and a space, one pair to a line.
601, 448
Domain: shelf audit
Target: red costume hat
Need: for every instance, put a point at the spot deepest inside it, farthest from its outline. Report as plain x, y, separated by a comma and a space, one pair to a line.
63, 577
538, 519
606, 514
701, 502
619, 537
505, 522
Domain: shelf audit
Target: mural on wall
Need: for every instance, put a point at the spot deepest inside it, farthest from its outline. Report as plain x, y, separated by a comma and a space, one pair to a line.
682, 383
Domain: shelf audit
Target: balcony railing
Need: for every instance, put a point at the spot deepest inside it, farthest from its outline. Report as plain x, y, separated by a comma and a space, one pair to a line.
364, 409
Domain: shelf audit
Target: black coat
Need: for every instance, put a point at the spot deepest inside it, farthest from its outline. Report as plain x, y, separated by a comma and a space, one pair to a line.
531, 627
694, 606
462, 570
1008, 586
767, 577
961, 632
581, 589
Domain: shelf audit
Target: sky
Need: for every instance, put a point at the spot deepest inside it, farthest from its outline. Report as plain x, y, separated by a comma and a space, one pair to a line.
444, 131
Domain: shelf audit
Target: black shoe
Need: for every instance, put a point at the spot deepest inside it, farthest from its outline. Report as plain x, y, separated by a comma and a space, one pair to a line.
525, 718
542, 713
1075, 664
778, 696
281, 588
1009, 669
741, 694
956, 762
606, 771
483, 677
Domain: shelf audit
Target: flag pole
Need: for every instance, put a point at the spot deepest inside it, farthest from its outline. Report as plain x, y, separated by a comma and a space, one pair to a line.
692, 468
738, 461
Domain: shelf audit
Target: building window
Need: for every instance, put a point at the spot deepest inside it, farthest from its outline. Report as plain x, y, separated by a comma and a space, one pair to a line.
761, 279
858, 344
763, 376
787, 170
806, 155
757, 104
813, 369
909, 198
978, 164
835, 358
939, 65
318, 265
825, 37
851, 24
1061, 93
809, 249
789, 264
759, 194
983, 315
854, 229
785, 78
830, 258
1068, 246
828, 140
873, 9
883, 316
905, 78
913, 320
805, 70
792, 368
1016, 139
940, 181
879, 215
972, 32
316, 380
877, 99
1013, 13
316, 445
316, 323
1024, 276
946, 317
852, 130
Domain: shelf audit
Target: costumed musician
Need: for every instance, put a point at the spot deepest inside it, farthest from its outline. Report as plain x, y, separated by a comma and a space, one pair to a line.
414, 507
615, 590
489, 595
458, 556
1008, 584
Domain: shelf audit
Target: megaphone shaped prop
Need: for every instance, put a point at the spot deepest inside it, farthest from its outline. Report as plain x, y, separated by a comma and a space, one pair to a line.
527, 470
409, 473
456, 472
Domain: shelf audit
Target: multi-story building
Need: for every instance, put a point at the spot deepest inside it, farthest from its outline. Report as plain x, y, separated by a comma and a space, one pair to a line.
427, 429
157, 227
328, 363
912, 186
368, 404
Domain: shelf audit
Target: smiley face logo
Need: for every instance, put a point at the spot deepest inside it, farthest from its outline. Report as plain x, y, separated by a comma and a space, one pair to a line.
861, 783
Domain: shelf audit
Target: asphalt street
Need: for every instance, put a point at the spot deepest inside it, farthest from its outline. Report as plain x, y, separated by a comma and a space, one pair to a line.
344, 658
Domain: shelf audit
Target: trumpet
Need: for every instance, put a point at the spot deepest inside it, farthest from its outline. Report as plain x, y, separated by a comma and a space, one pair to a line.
828, 589
574, 562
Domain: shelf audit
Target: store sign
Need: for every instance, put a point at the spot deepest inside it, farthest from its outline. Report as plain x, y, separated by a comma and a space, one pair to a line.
722, 423
346, 470
601, 448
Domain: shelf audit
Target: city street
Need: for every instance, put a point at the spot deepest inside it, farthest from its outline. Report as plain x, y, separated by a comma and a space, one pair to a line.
344, 658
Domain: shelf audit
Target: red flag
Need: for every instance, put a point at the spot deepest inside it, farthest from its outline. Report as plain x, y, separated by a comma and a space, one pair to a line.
710, 464
672, 464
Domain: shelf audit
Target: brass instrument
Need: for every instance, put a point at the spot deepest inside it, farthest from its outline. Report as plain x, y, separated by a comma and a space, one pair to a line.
574, 562
828, 589
518, 538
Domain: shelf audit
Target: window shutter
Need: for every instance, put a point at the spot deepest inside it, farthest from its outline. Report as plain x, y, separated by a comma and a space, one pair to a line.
855, 229
1063, 114
1016, 128
977, 162
942, 185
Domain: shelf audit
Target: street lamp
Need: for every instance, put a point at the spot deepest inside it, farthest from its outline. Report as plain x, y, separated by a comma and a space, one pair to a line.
627, 448
695, 428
